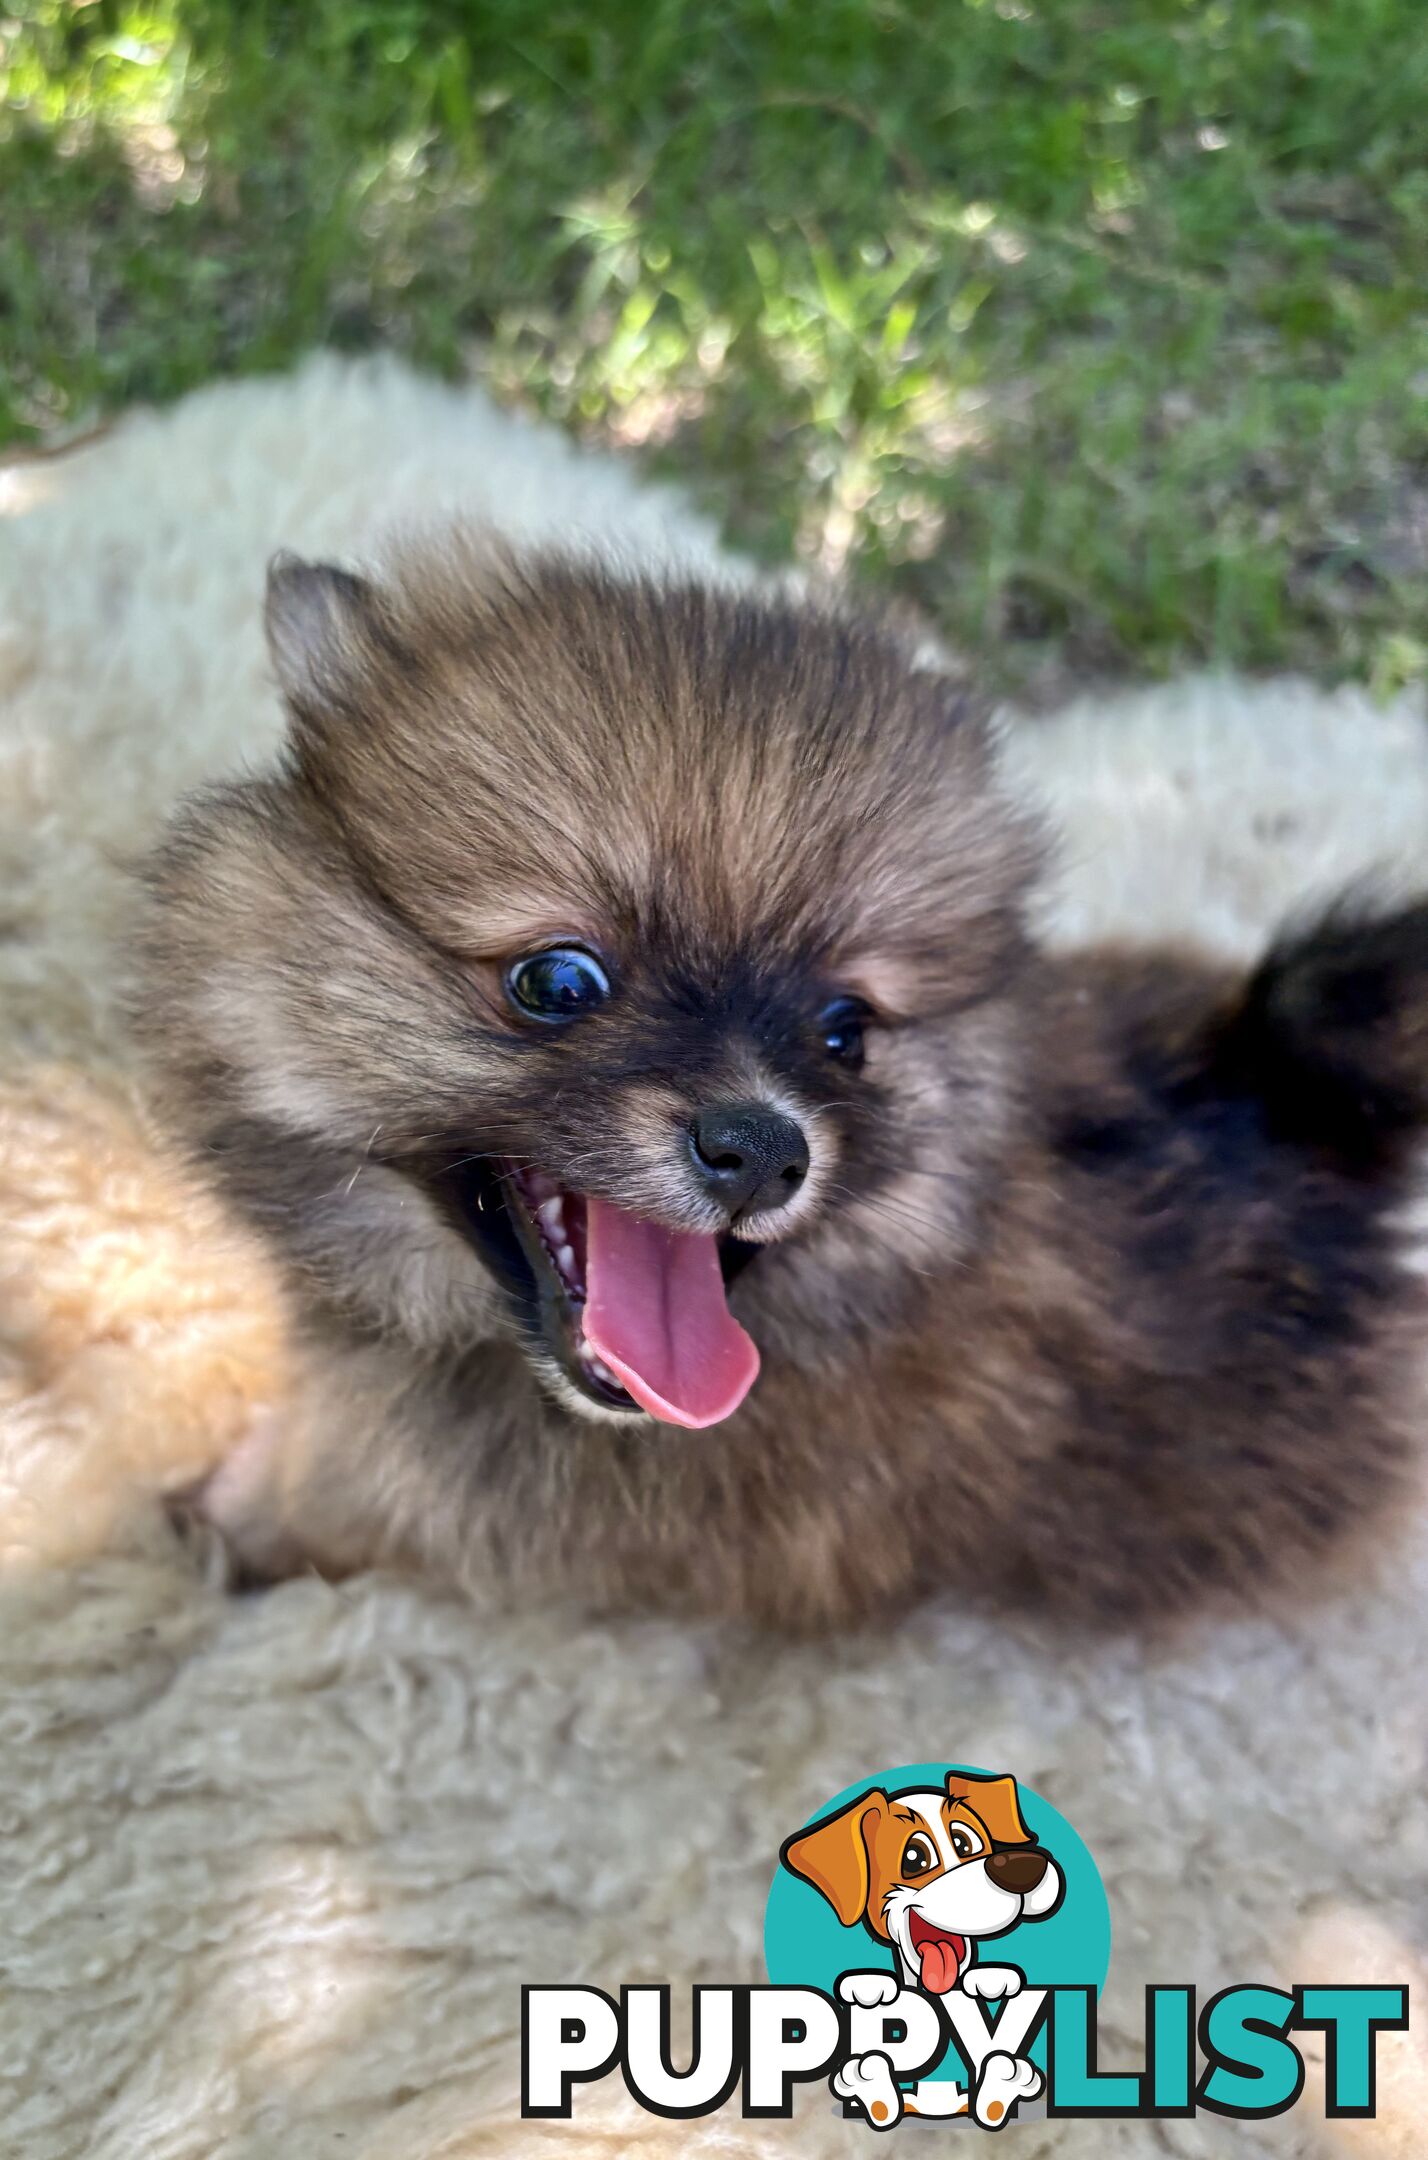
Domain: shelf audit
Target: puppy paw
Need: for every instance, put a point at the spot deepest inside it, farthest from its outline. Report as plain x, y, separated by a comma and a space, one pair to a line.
867, 2081
1005, 2079
236, 1513
869, 1990
992, 1983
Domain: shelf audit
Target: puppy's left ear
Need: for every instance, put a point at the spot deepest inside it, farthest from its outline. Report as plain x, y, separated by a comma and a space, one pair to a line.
320, 623
833, 1855
995, 1801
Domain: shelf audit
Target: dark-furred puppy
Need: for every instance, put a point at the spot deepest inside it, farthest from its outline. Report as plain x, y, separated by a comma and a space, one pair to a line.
695, 1186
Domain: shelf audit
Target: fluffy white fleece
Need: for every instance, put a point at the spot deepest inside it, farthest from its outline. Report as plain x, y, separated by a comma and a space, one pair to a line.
272, 1870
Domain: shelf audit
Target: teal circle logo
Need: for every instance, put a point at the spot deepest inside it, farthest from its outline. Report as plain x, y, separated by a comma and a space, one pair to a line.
939, 1874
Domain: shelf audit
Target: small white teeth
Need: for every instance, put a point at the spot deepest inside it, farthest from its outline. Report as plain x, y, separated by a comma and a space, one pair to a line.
547, 1204
550, 1218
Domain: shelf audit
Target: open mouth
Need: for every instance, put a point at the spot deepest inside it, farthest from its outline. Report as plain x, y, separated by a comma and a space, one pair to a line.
940, 1954
634, 1314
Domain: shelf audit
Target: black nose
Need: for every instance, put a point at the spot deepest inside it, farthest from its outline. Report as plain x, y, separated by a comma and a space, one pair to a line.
749, 1158
1019, 1872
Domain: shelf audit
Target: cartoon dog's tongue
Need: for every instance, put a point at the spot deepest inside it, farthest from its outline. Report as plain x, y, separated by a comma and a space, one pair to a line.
655, 1312
941, 1957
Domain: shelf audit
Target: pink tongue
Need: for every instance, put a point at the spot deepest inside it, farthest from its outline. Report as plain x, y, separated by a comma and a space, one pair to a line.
939, 1966
655, 1312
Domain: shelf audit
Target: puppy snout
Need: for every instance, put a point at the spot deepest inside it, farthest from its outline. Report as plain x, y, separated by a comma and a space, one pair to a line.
747, 1156
1019, 1872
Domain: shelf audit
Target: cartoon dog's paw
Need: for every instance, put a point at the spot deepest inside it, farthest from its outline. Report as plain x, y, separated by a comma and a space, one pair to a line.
992, 1983
869, 1990
867, 2081
1005, 2079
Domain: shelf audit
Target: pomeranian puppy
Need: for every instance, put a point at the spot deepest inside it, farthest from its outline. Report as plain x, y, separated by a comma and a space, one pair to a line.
696, 1188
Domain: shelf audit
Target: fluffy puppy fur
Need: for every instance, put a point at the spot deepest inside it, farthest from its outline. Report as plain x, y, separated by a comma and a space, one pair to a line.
1089, 1287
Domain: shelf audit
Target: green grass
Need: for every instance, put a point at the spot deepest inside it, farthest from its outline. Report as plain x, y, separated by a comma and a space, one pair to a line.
1098, 329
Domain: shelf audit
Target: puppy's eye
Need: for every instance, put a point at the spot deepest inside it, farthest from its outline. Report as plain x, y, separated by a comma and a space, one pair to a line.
965, 1843
557, 985
917, 1857
842, 1024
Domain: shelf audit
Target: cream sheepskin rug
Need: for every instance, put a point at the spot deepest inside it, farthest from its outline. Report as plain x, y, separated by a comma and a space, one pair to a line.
272, 1869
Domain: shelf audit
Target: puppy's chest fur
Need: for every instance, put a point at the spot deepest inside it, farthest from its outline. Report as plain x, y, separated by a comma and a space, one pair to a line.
1179, 1363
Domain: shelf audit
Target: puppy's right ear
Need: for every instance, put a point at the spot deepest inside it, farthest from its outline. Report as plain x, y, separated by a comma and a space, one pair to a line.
321, 624
834, 1854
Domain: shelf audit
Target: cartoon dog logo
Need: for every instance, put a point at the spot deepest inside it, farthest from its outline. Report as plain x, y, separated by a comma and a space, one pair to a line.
932, 1874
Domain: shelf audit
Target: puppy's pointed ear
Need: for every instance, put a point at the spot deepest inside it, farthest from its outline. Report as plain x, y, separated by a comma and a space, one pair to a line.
320, 622
994, 1801
833, 1855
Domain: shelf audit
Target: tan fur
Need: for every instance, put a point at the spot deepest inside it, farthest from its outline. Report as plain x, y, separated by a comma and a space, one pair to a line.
154, 1366
1064, 1219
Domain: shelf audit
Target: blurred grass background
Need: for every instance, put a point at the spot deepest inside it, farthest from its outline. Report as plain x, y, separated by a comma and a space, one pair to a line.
1096, 328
